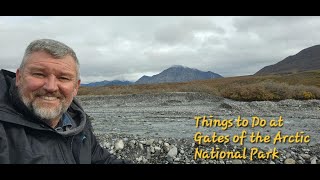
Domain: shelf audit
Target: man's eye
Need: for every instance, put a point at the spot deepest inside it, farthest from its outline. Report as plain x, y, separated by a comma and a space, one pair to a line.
64, 78
38, 74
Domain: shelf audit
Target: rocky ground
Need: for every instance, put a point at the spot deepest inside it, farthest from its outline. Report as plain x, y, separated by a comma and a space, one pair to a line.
159, 128
181, 151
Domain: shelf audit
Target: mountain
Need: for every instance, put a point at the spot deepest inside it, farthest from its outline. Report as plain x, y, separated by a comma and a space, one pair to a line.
108, 83
177, 74
305, 60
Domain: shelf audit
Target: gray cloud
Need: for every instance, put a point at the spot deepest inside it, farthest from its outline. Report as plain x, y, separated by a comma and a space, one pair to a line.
126, 48
185, 31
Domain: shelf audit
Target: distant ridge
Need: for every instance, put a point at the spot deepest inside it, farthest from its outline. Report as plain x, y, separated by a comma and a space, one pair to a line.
108, 83
305, 60
178, 73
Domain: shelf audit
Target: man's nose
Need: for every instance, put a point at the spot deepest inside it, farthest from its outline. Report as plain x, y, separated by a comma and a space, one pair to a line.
51, 84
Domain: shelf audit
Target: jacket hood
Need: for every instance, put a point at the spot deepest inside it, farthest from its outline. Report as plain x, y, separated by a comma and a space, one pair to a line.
13, 110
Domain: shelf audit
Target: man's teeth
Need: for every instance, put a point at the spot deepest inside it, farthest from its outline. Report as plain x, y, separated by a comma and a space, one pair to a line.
49, 98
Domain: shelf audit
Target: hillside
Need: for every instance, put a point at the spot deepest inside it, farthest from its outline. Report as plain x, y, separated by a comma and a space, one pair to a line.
303, 85
306, 60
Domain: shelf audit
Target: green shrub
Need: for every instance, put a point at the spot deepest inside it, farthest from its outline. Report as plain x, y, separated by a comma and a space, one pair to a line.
269, 91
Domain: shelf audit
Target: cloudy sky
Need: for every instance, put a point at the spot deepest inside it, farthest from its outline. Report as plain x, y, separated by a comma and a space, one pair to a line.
126, 48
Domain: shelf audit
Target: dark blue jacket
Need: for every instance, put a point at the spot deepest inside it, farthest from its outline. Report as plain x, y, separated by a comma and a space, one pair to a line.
24, 138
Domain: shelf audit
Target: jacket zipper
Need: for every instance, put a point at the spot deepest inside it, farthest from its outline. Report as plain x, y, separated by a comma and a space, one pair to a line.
71, 143
64, 159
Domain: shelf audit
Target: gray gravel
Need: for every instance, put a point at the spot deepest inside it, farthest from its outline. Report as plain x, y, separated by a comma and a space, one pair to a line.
146, 150
159, 128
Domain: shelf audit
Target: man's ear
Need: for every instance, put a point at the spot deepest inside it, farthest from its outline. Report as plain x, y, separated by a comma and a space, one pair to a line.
76, 88
18, 77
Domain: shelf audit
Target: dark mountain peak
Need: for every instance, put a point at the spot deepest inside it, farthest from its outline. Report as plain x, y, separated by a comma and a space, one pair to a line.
177, 73
182, 68
305, 60
177, 66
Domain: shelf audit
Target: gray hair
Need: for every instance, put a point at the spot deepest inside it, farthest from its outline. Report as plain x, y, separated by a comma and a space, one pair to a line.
55, 48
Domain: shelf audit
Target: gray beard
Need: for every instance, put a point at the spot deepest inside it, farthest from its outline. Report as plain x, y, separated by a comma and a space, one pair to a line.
46, 114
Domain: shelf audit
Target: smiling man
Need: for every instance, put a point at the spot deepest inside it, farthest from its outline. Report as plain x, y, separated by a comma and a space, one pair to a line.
40, 120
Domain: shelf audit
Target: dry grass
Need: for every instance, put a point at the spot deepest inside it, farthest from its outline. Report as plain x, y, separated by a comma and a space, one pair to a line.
304, 85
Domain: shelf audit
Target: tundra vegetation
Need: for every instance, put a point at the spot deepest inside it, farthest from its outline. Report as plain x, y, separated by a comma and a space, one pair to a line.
299, 86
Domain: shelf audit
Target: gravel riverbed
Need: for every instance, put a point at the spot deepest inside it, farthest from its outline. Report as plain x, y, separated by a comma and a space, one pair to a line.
160, 128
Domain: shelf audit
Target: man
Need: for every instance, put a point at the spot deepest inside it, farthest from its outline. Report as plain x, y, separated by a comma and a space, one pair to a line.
40, 121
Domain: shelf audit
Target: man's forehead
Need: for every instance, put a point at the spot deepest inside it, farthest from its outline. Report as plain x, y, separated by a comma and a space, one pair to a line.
57, 65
